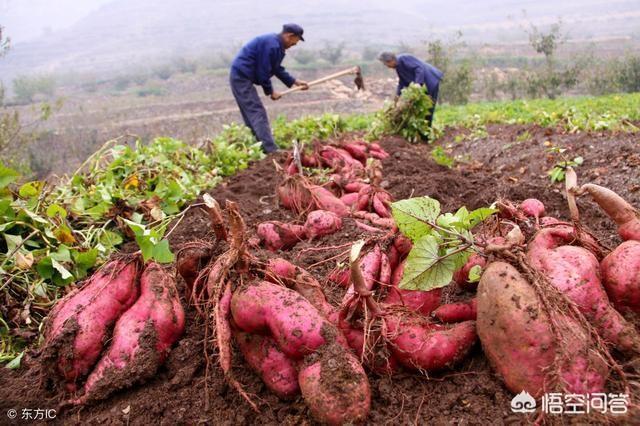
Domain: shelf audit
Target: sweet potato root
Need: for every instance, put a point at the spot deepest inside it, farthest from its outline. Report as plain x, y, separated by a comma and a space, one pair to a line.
321, 222
461, 276
457, 312
277, 371
575, 272
335, 386
621, 276
280, 236
419, 344
622, 213
532, 207
80, 323
142, 337
517, 338
296, 325
423, 302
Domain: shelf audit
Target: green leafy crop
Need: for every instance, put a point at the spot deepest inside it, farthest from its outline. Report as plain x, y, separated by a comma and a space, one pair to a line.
442, 242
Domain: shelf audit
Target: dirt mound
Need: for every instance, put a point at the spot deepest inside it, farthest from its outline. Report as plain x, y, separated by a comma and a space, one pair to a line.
504, 164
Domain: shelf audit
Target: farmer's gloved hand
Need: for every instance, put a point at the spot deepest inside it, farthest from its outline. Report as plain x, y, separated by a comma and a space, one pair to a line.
302, 83
275, 96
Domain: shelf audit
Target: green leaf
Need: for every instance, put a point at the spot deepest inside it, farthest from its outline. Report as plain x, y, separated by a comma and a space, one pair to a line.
56, 209
475, 273
14, 364
85, 261
411, 216
31, 189
13, 241
45, 268
64, 273
137, 228
480, 215
7, 176
62, 255
110, 238
425, 268
146, 247
162, 253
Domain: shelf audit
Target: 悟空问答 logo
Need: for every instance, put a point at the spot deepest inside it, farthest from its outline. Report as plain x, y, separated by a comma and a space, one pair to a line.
523, 403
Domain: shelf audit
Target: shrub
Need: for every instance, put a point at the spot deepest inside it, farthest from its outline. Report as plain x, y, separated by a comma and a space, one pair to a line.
332, 53
305, 57
27, 87
163, 72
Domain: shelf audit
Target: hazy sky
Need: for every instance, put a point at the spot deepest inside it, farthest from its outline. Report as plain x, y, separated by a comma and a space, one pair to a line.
27, 19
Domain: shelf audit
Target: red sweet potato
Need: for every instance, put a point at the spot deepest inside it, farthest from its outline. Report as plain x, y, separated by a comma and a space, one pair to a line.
335, 387
364, 198
575, 272
622, 213
296, 325
142, 337
461, 276
280, 236
532, 207
357, 151
403, 245
423, 302
325, 200
355, 186
322, 222
294, 195
419, 344
370, 267
379, 206
79, 324
348, 159
517, 338
350, 199
309, 160
621, 276
277, 371
340, 276
548, 221
457, 312
281, 271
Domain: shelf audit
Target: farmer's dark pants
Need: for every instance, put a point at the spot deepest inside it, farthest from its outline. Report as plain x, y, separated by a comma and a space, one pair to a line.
429, 117
252, 110
434, 98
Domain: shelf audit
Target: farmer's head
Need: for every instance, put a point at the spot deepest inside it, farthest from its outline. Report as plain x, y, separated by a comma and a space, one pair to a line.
388, 59
291, 34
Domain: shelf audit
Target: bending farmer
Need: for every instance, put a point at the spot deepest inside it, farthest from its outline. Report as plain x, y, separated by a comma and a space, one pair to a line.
257, 62
412, 70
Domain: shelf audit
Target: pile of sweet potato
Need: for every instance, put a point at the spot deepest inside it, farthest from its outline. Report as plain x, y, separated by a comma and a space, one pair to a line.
352, 190
113, 331
542, 311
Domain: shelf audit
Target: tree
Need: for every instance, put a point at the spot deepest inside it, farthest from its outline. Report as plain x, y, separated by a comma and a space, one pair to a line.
4, 43
552, 79
332, 53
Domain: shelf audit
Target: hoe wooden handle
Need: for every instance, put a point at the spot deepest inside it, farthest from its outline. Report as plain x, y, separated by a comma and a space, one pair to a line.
354, 70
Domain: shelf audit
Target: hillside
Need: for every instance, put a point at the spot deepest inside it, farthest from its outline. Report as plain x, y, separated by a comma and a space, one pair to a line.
122, 32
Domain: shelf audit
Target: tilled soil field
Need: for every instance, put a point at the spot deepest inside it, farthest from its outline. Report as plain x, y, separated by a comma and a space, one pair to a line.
505, 164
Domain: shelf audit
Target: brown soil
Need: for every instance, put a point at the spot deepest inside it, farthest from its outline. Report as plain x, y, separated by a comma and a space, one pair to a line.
500, 165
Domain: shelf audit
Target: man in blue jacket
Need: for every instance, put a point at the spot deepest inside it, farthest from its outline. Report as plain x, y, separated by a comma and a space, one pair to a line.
412, 70
257, 62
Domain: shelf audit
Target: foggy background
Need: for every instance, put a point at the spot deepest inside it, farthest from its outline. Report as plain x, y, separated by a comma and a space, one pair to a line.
89, 35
